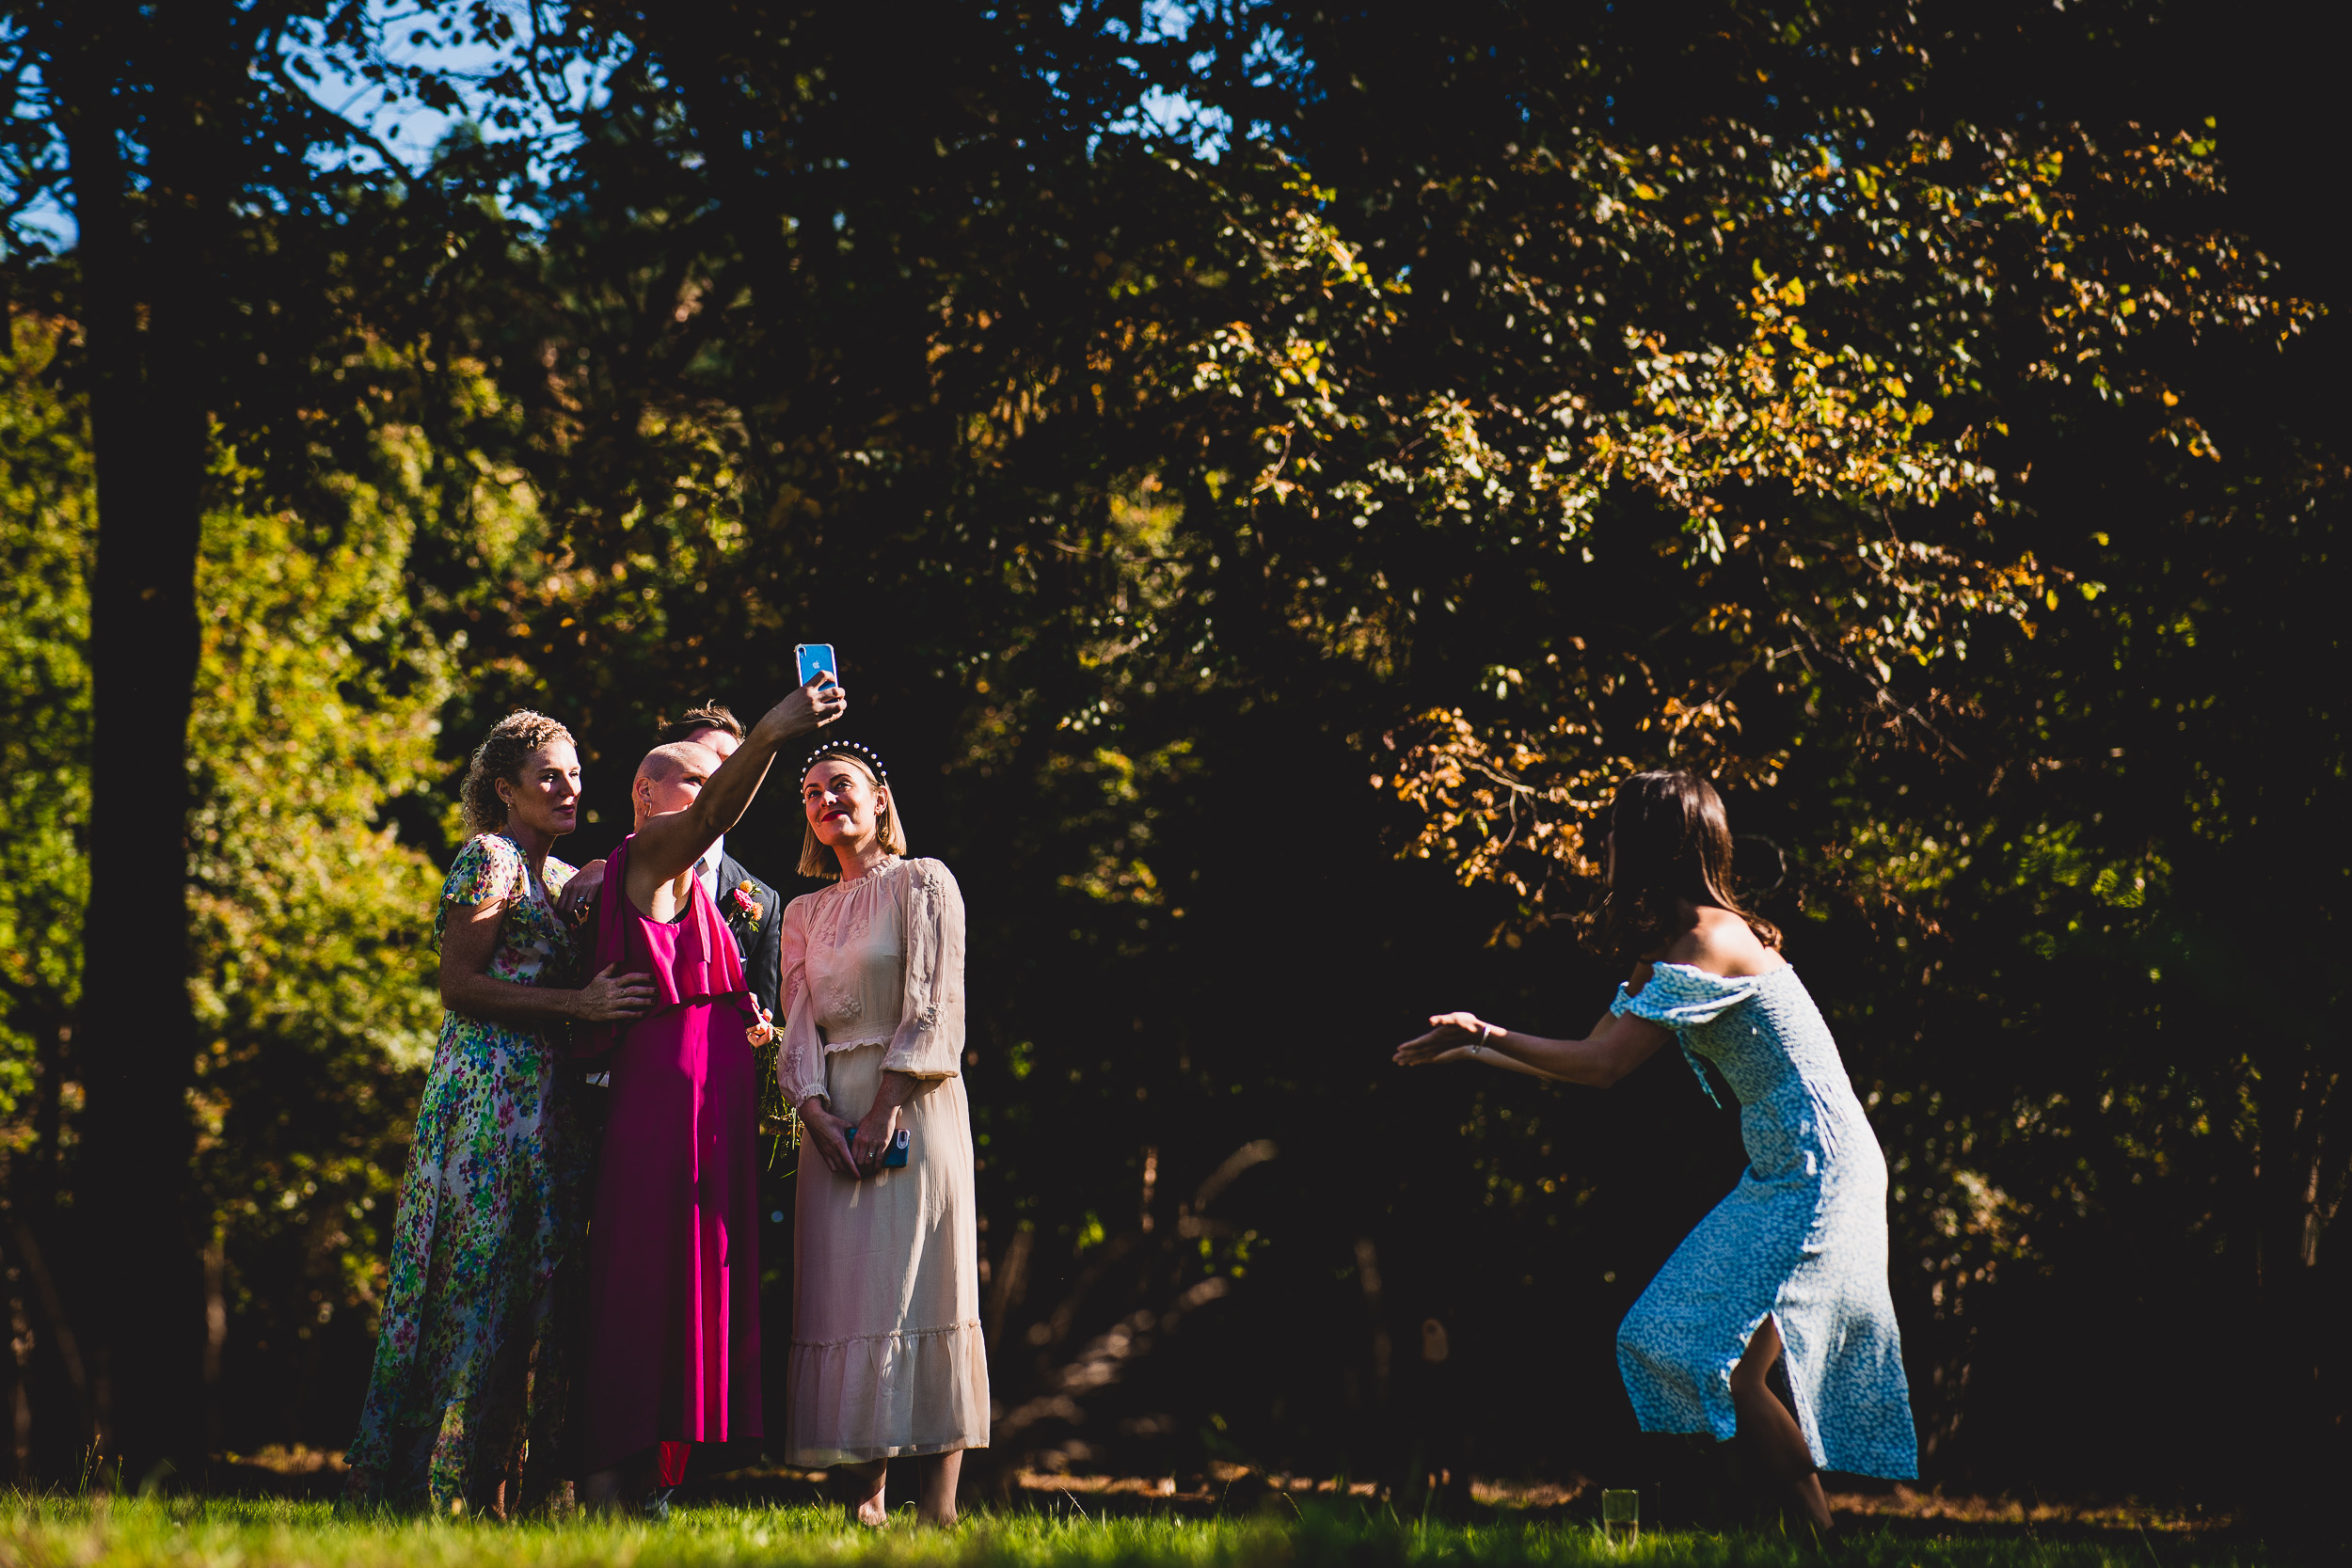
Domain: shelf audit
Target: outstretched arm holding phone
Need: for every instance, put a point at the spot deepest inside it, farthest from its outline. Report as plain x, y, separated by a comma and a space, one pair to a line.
668, 845
818, 702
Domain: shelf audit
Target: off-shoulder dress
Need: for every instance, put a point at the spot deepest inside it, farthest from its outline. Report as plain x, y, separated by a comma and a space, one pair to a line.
1802, 1239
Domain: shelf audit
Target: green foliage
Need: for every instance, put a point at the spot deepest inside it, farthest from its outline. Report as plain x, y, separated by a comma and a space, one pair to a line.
46, 523
318, 707
1534, 396
318, 702
1259, 567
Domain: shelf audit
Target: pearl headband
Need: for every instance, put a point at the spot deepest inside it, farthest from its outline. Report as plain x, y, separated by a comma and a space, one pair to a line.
857, 749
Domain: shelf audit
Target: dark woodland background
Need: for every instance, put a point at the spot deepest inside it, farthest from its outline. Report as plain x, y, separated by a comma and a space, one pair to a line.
1266, 470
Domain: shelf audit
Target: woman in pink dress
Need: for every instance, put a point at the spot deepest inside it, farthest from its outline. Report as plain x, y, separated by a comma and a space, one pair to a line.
673, 1256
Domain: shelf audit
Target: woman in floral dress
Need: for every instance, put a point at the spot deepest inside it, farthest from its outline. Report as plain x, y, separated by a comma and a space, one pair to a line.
470, 1363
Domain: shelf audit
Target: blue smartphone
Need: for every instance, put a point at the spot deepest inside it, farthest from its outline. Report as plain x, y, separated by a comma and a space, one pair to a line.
895, 1157
816, 660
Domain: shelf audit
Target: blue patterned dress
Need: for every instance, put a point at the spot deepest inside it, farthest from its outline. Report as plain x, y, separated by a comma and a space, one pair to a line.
1802, 1239
471, 1359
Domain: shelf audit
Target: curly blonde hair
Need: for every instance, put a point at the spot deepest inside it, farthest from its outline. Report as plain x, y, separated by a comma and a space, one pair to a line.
501, 755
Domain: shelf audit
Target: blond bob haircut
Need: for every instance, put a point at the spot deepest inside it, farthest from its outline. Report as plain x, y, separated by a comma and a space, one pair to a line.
817, 860
501, 755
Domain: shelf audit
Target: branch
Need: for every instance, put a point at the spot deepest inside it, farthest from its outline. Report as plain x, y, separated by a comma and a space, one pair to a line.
357, 132
1885, 693
555, 107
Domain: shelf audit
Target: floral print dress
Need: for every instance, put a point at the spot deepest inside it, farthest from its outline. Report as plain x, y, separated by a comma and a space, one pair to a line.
470, 1375
1801, 1239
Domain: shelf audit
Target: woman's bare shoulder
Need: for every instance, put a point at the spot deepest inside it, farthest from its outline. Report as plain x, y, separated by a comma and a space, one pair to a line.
1720, 942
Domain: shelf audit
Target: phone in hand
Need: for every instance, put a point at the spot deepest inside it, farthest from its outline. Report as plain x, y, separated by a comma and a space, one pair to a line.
895, 1157
816, 658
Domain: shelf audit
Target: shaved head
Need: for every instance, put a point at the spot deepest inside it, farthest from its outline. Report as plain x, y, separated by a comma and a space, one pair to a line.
664, 763
670, 778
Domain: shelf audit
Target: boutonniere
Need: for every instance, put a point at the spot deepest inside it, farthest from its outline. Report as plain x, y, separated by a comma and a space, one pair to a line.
746, 903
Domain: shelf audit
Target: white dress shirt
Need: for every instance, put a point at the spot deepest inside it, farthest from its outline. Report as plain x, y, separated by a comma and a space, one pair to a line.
707, 869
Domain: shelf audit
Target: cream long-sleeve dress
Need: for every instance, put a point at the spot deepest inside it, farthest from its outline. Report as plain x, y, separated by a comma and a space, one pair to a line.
887, 1357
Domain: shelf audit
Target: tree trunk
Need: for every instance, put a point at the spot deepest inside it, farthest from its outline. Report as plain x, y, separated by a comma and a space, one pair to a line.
138, 1282
2301, 1448
55, 1418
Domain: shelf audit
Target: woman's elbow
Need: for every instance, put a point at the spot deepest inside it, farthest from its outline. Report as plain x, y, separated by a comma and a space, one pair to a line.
1609, 1068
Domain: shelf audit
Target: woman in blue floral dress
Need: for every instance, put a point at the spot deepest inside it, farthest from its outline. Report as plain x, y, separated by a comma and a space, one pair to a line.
470, 1363
1792, 1267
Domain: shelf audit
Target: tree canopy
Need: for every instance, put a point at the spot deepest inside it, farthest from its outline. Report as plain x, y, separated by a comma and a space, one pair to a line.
1269, 471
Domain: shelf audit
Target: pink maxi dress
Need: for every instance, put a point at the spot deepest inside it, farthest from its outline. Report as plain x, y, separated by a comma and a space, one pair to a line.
674, 1246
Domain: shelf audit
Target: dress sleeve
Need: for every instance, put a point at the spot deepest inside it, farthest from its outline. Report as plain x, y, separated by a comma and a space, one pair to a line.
1680, 997
801, 1061
930, 1039
488, 867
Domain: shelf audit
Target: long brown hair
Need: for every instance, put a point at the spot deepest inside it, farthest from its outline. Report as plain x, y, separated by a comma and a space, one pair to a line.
1671, 840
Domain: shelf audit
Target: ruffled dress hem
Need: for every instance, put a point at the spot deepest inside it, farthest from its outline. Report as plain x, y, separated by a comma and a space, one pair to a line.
912, 1392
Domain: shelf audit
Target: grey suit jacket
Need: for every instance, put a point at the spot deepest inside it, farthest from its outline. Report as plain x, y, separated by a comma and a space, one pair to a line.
758, 938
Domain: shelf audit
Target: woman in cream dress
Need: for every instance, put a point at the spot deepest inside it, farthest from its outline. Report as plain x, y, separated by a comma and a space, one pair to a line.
888, 1359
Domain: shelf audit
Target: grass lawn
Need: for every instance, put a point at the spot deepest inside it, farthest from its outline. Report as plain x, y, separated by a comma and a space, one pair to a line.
71, 1533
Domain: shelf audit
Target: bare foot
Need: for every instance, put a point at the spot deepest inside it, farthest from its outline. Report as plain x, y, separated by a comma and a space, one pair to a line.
936, 1494
862, 1493
1812, 1504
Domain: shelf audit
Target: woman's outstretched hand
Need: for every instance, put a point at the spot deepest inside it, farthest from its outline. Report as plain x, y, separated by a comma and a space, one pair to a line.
612, 998
1449, 1035
829, 1134
810, 709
